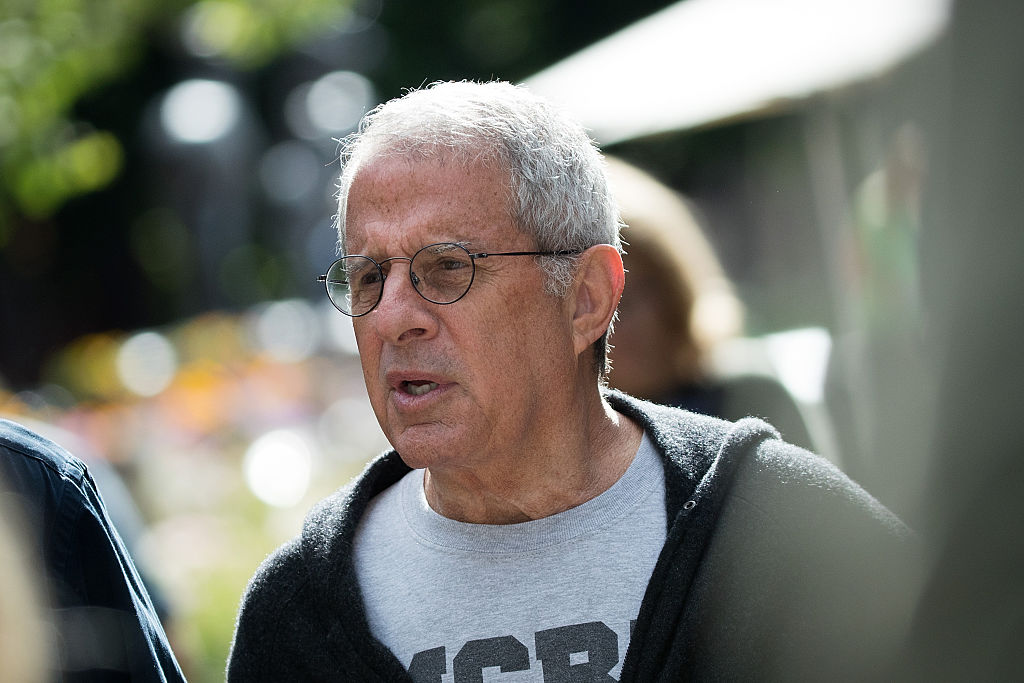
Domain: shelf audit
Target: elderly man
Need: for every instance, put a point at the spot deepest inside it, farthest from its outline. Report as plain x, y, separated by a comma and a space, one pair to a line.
530, 525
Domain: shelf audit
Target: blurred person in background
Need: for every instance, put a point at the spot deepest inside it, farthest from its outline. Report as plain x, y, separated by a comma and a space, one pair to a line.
106, 626
118, 499
25, 640
528, 518
677, 306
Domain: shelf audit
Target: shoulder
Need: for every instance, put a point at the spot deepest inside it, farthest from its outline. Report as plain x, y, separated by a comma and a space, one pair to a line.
23, 451
286, 575
51, 489
275, 590
797, 487
794, 510
302, 606
808, 567
273, 605
280, 577
326, 534
766, 397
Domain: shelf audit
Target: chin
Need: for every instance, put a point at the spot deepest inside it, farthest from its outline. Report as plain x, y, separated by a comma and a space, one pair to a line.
426, 445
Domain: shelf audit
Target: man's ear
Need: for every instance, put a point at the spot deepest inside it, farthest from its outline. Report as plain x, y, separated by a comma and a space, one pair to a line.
598, 287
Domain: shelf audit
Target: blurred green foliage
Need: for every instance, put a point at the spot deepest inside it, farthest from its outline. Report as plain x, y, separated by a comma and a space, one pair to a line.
53, 52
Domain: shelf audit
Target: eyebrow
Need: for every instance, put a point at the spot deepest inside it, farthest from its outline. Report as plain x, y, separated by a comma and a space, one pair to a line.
462, 243
465, 244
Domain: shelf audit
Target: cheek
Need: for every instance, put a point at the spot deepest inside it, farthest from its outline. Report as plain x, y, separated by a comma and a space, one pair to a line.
369, 355
490, 343
535, 347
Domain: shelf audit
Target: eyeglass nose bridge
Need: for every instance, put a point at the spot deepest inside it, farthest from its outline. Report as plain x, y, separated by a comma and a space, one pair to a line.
384, 273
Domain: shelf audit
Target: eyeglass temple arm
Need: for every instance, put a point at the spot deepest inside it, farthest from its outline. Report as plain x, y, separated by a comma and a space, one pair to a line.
564, 252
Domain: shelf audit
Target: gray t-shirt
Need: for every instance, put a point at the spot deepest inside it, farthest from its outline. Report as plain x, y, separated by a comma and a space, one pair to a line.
546, 600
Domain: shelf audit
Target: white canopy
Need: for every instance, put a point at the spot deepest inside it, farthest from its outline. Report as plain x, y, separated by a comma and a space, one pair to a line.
702, 61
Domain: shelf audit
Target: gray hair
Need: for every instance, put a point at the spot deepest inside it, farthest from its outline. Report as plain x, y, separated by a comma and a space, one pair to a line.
558, 185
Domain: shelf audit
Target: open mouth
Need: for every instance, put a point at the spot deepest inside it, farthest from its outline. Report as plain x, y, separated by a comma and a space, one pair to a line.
418, 387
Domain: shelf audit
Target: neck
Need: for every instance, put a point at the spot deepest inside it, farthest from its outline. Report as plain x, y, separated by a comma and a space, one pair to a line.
564, 470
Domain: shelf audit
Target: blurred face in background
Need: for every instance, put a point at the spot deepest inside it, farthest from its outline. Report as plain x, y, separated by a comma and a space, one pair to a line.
649, 333
455, 385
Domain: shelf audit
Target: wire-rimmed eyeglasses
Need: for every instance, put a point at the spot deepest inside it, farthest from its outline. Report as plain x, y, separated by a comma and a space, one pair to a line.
441, 273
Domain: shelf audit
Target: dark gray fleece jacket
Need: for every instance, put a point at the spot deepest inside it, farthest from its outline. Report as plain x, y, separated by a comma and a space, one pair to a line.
776, 567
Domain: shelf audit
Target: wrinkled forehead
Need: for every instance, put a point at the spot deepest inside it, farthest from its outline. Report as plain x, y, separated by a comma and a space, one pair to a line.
378, 153
374, 148
406, 202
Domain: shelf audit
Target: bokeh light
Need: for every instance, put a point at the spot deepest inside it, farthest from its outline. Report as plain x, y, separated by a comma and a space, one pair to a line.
288, 331
200, 110
215, 28
87, 163
146, 363
278, 467
338, 99
800, 358
330, 105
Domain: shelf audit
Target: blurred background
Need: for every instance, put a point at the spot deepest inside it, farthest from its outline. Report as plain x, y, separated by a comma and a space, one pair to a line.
166, 180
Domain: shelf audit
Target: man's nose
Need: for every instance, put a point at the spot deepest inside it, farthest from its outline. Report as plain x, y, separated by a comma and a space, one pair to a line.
402, 313
397, 274
403, 272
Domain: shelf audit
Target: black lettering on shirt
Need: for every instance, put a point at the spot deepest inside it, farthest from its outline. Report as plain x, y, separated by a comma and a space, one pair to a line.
428, 666
556, 645
477, 655
554, 649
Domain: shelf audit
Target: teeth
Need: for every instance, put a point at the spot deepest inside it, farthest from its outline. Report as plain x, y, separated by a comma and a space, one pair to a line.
420, 389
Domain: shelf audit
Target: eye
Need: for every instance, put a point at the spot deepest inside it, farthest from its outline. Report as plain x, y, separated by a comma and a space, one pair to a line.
360, 273
453, 263
370, 276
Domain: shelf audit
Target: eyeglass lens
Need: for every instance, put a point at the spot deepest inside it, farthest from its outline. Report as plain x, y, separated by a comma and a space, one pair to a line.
441, 273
